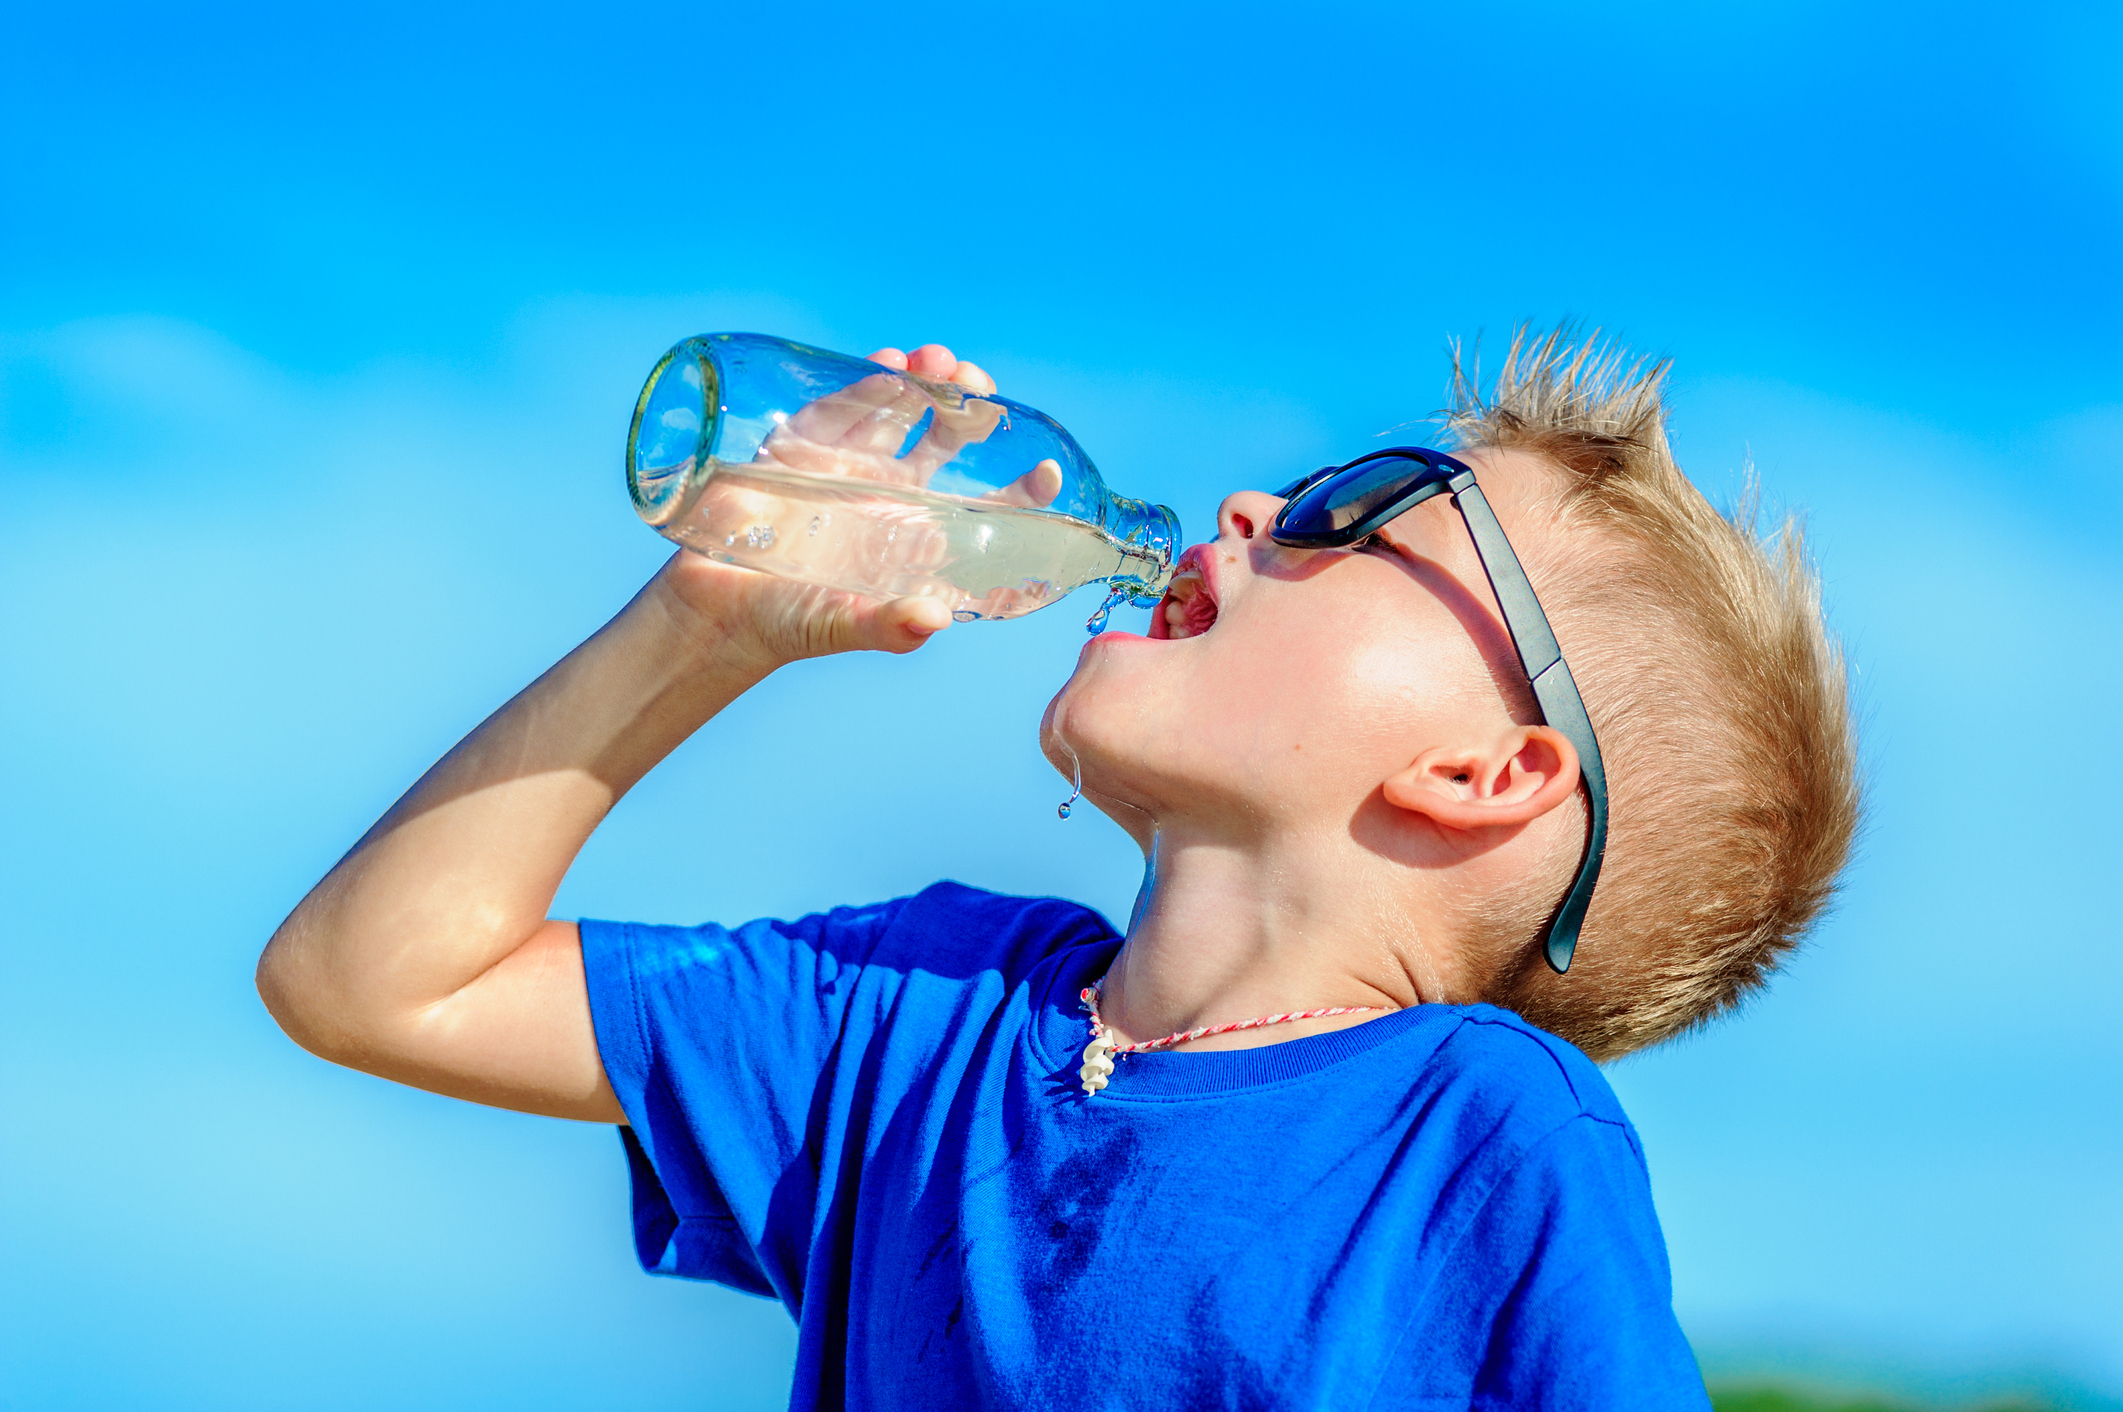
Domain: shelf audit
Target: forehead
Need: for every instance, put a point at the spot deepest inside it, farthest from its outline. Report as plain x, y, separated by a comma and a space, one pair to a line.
1514, 483
1511, 477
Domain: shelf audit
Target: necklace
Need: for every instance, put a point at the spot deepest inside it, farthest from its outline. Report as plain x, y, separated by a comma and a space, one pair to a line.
1098, 1054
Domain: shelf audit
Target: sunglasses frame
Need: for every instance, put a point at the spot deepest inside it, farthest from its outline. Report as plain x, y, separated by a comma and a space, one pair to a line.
1434, 473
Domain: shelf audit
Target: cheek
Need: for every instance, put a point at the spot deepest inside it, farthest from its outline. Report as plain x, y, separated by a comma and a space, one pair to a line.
1309, 707
1333, 700
1358, 704
1294, 704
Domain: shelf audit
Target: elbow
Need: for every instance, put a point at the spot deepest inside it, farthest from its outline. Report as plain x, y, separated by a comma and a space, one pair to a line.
299, 1002
282, 1000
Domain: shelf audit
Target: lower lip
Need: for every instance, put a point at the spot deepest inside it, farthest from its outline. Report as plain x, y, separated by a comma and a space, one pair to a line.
1105, 639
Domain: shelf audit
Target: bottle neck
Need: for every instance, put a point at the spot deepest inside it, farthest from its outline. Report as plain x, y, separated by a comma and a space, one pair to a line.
1149, 537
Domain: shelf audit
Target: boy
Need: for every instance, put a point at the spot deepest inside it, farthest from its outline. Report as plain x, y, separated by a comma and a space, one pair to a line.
908, 1121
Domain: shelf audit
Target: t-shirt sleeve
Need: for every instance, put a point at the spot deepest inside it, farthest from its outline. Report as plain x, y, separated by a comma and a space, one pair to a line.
1588, 1323
715, 1040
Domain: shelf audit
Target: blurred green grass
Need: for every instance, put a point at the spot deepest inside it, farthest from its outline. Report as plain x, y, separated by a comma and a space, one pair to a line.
1756, 1398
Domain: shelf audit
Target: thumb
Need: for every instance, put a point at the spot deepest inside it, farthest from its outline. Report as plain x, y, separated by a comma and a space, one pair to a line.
902, 624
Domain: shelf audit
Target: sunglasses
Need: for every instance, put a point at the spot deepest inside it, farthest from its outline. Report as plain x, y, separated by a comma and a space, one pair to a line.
1336, 506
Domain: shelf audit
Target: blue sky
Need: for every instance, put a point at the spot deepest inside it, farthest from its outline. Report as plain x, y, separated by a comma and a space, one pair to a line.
318, 336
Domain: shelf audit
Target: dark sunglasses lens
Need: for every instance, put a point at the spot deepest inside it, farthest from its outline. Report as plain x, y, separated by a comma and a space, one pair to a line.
1301, 482
1340, 501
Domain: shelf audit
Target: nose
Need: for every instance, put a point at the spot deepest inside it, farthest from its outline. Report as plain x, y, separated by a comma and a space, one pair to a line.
1247, 514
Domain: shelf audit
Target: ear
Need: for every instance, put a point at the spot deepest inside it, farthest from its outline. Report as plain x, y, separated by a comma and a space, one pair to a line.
1514, 779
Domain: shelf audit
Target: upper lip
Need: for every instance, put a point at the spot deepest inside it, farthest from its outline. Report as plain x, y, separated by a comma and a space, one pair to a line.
1199, 562
1196, 558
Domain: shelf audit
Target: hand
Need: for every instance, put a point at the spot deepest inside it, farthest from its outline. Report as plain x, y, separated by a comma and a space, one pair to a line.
858, 433
860, 430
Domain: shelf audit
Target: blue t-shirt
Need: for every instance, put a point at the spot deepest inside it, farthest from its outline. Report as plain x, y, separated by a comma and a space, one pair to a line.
873, 1115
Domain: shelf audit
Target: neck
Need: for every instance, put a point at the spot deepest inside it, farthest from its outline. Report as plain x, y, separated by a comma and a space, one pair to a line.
1223, 933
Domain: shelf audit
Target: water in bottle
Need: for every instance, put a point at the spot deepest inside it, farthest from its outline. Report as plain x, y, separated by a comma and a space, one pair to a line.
838, 471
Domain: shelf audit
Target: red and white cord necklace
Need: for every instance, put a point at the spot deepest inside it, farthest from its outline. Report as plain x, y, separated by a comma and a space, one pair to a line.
1098, 1055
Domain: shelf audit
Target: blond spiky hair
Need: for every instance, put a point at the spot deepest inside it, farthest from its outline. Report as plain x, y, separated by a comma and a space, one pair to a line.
1718, 695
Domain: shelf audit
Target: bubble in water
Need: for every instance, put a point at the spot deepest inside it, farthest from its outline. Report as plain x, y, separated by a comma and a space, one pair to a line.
760, 536
816, 521
1096, 624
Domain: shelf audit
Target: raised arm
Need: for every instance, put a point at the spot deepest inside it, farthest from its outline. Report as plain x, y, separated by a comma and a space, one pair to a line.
426, 955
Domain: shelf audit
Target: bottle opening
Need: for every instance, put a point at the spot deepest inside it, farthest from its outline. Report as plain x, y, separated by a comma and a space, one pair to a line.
673, 437
1149, 537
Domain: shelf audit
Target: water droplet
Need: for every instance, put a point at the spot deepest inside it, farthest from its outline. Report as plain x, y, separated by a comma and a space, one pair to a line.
1076, 768
816, 521
1096, 624
760, 536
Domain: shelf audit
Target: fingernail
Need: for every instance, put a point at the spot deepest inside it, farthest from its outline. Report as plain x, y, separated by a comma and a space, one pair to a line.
928, 617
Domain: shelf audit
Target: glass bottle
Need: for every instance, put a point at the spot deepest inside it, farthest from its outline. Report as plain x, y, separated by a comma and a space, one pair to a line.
839, 471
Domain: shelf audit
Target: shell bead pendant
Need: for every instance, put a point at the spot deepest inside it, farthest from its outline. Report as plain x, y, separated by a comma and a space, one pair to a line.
1098, 1064
1098, 1054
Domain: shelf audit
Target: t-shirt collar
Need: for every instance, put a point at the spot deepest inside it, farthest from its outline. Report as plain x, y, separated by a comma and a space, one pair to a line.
1060, 1029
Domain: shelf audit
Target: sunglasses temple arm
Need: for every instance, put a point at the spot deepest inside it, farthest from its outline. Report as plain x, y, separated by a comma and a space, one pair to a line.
1564, 709
1553, 689
1523, 616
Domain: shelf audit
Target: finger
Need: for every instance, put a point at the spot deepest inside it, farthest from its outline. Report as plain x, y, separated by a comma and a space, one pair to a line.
950, 432
885, 431
932, 360
826, 419
799, 620
891, 358
973, 378
906, 623
1036, 488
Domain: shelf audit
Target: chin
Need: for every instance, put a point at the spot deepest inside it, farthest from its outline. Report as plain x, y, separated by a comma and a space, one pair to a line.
1121, 711
1110, 675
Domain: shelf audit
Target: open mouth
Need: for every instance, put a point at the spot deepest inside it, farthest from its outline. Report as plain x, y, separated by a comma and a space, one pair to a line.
1188, 608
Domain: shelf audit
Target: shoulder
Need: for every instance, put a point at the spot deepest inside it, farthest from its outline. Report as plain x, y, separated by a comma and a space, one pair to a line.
949, 923
1531, 1082
946, 937
949, 901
